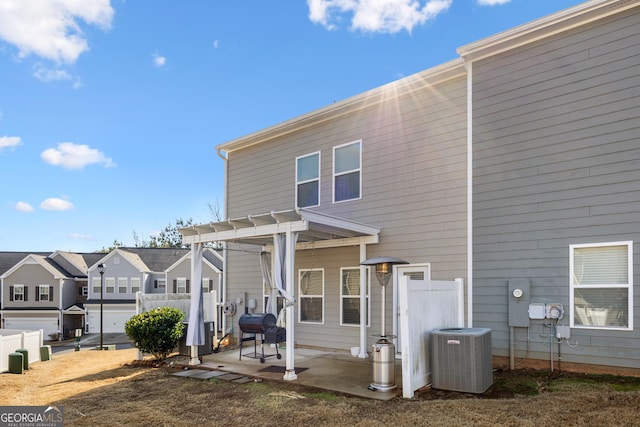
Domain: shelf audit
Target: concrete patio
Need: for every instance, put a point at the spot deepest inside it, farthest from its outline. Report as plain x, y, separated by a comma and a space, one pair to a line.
333, 371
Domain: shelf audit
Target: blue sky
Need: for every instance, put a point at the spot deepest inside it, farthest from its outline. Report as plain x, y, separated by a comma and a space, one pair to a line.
110, 109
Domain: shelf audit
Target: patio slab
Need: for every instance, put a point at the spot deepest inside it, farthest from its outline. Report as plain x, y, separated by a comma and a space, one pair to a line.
333, 371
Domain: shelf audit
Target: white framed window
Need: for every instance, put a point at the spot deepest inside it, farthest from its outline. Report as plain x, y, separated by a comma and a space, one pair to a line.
601, 286
311, 296
43, 293
109, 285
350, 296
95, 285
123, 285
18, 293
84, 291
161, 283
135, 285
347, 171
181, 285
205, 285
308, 180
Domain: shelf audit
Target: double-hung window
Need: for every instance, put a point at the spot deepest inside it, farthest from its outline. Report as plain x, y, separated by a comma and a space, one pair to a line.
350, 296
181, 285
308, 180
110, 285
95, 286
18, 293
347, 168
311, 296
601, 291
122, 285
135, 285
44, 293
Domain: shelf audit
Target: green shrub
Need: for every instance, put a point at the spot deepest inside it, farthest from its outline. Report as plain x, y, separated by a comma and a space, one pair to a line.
156, 331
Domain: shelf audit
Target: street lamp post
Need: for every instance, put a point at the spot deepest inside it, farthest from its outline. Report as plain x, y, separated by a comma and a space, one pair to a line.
101, 268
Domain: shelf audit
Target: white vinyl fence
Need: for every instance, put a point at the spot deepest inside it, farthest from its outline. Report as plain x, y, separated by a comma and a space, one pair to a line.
146, 302
425, 305
13, 339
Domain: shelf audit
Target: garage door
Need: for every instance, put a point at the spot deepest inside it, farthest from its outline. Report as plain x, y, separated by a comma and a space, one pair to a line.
112, 320
47, 324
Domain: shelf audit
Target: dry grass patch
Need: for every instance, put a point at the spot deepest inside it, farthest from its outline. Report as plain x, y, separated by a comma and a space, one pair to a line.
105, 389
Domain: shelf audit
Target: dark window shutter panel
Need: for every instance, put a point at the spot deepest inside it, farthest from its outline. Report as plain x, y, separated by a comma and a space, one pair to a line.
175, 286
188, 287
50, 293
37, 293
155, 284
10, 293
26, 293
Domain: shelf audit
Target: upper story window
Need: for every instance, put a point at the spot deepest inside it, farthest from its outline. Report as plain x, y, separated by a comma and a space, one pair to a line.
601, 290
308, 180
181, 285
17, 293
44, 293
205, 285
110, 285
123, 285
95, 285
347, 168
135, 285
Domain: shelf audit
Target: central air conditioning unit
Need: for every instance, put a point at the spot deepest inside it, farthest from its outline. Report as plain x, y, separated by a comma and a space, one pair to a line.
461, 359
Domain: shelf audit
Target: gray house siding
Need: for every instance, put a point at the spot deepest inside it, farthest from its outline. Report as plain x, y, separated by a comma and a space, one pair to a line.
31, 275
413, 187
556, 149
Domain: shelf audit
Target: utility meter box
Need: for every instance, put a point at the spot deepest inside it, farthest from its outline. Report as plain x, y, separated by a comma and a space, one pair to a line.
519, 298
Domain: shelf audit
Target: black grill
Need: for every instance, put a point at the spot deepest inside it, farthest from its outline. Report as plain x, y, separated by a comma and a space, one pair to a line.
264, 324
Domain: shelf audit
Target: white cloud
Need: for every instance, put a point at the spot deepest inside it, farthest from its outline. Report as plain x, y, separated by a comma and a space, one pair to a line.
9, 141
74, 156
55, 204
492, 2
384, 16
216, 44
50, 28
159, 60
24, 207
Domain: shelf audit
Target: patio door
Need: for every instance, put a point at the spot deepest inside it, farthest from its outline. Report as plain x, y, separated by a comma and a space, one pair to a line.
416, 272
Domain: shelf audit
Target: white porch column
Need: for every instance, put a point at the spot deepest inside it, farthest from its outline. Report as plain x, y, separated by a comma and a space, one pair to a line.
195, 330
363, 303
290, 249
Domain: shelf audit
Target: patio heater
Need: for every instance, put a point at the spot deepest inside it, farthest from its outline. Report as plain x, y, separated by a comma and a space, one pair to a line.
384, 352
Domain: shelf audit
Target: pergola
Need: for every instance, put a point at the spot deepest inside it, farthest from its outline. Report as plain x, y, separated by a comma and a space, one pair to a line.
283, 233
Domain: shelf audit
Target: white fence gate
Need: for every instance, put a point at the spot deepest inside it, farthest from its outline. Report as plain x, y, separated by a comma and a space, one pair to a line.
425, 305
12, 340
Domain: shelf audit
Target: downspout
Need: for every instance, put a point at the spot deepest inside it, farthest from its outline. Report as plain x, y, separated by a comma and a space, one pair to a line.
469, 66
60, 312
223, 280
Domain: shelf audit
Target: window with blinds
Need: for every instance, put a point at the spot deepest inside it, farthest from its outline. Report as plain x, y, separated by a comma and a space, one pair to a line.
311, 296
601, 291
350, 296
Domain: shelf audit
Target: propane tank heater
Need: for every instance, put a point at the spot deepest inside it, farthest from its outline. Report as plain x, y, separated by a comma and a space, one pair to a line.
384, 369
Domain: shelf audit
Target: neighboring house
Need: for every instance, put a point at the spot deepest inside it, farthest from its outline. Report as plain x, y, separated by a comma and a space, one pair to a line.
178, 275
145, 270
59, 292
514, 167
35, 292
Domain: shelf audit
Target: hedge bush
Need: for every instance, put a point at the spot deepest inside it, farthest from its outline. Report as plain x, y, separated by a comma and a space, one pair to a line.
156, 331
